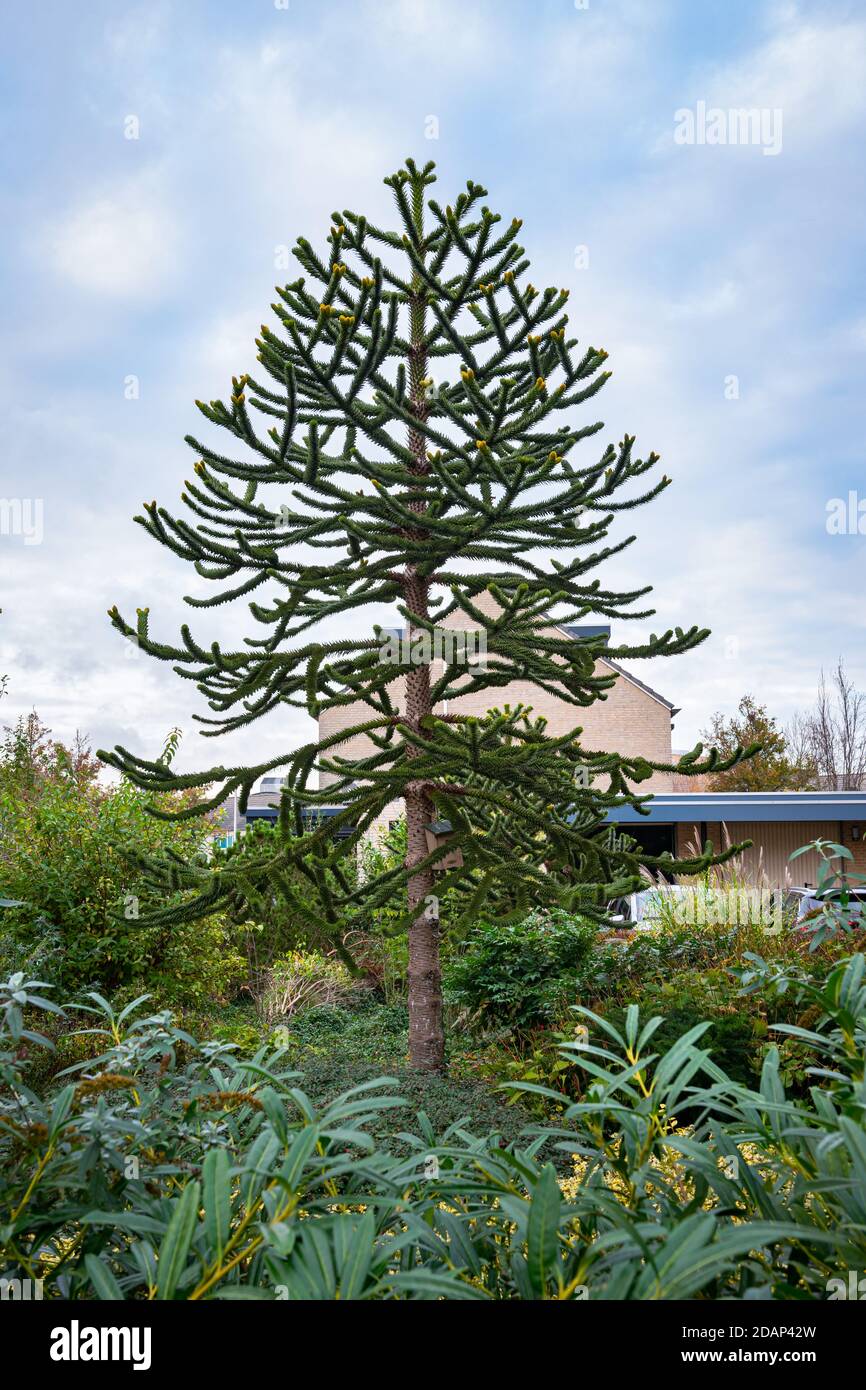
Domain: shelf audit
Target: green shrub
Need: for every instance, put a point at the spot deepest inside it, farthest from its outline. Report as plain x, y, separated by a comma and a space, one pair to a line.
735, 1038
521, 974
618, 967
236, 1024
66, 855
690, 975
172, 1169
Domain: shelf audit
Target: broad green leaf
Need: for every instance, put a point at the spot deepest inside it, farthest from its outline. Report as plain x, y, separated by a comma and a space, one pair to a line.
177, 1241
302, 1147
60, 1110
216, 1184
356, 1264
126, 1221
542, 1228
102, 1279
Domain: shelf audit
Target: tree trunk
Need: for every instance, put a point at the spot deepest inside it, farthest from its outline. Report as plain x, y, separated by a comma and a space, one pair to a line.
426, 1034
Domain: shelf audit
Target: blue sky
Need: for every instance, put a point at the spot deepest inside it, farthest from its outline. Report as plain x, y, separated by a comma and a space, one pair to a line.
154, 258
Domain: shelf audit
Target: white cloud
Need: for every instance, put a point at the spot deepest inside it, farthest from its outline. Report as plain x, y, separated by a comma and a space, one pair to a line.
138, 31
813, 71
713, 301
435, 29
809, 69
123, 241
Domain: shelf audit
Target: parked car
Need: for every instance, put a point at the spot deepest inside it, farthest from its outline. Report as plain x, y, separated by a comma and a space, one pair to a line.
805, 904
649, 907
688, 905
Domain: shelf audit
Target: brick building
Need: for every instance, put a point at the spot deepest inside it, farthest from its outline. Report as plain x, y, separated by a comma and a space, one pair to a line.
632, 719
635, 719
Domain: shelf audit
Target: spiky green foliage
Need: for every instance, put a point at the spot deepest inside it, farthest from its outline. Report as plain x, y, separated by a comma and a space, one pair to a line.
412, 441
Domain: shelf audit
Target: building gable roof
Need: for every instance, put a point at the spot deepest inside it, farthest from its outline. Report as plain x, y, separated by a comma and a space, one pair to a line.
579, 632
603, 630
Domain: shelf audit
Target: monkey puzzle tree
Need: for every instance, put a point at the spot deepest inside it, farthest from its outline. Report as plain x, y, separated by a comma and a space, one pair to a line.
414, 460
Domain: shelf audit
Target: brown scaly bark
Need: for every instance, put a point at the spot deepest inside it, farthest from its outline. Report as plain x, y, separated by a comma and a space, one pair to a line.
426, 1033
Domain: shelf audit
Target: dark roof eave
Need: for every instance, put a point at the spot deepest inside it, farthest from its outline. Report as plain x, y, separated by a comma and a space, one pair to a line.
678, 808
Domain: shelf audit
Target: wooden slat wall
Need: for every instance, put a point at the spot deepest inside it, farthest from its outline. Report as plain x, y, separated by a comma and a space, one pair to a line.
773, 842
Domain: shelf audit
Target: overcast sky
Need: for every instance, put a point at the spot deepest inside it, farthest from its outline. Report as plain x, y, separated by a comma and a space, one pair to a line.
725, 280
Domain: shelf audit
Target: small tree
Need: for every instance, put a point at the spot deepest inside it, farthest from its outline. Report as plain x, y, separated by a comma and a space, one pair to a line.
393, 483
777, 767
30, 757
834, 733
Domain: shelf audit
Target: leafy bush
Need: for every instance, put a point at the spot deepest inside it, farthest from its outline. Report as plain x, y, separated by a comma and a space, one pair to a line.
735, 1038
65, 859
521, 973
690, 975
172, 1169
535, 1057
617, 968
